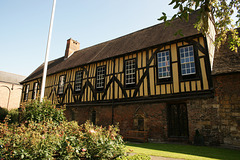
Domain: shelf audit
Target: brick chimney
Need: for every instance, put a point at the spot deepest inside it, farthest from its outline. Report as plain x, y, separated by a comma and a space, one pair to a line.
71, 47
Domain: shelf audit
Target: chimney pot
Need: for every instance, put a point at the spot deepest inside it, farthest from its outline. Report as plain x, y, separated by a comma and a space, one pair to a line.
71, 47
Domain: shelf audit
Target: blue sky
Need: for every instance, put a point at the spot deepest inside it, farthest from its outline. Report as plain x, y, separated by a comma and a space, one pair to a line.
25, 24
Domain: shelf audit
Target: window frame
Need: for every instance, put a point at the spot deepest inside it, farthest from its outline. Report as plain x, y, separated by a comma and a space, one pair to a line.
103, 80
75, 83
35, 89
164, 79
26, 92
196, 75
62, 85
130, 85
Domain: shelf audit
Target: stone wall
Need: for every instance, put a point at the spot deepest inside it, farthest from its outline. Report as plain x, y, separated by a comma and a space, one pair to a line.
201, 116
227, 95
217, 118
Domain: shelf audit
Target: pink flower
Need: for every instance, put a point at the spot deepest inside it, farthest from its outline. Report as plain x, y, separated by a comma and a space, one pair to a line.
84, 150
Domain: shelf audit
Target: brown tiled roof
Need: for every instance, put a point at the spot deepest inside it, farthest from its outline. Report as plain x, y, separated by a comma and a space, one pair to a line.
225, 60
148, 37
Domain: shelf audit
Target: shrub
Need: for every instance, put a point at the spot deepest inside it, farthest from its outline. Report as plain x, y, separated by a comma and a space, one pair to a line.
13, 115
3, 113
45, 134
65, 140
41, 111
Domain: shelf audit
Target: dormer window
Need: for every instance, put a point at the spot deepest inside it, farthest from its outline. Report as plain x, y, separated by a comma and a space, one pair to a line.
100, 77
187, 60
61, 84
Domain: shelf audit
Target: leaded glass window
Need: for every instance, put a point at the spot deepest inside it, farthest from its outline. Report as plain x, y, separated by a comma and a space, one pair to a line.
163, 60
130, 72
187, 60
78, 80
26, 92
100, 77
61, 84
35, 86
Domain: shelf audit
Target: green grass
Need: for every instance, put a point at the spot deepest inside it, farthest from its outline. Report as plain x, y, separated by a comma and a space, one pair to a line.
184, 151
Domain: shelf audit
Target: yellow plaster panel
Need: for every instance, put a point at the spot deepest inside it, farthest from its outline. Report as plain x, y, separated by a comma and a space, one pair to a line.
193, 85
168, 89
110, 89
182, 87
134, 55
195, 39
179, 44
151, 76
175, 77
107, 66
185, 43
163, 90
132, 92
200, 53
174, 52
204, 74
157, 89
145, 85
201, 41
122, 78
127, 91
94, 70
119, 89
150, 55
116, 65
130, 56
121, 64
167, 47
144, 59
141, 87
126, 57
116, 88
139, 60
141, 90
187, 86
107, 80
89, 94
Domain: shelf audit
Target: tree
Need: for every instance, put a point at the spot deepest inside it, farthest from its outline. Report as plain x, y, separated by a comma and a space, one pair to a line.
220, 11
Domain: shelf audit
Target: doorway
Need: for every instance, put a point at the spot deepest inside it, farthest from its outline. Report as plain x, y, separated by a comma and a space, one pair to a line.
177, 120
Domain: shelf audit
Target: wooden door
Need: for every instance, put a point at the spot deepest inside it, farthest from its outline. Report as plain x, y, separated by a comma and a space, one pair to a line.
177, 120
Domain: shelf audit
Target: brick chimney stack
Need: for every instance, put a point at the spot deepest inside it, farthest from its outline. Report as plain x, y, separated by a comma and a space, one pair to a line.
71, 47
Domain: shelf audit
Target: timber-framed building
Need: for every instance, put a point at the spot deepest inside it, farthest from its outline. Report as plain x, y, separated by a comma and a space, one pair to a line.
149, 80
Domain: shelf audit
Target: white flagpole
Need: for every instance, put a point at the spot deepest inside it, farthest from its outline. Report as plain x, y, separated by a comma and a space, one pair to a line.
47, 51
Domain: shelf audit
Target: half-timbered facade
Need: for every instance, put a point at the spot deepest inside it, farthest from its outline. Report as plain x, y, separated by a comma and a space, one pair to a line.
148, 80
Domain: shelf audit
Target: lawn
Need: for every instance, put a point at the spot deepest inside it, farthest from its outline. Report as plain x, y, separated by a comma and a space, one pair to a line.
184, 151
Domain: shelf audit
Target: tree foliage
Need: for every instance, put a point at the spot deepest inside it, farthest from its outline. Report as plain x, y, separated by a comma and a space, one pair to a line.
220, 11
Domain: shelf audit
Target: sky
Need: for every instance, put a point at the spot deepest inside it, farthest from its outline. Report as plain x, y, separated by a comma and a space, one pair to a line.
24, 27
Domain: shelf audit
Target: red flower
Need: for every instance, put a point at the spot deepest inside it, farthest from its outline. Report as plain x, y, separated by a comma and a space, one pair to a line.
84, 150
